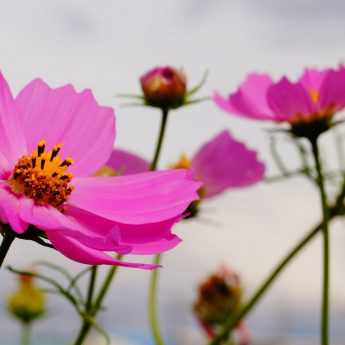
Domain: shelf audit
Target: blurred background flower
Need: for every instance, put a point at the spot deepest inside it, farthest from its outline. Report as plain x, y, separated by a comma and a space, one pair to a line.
26, 304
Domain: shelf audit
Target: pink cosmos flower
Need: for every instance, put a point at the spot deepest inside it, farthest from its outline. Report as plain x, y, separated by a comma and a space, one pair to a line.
52, 141
221, 163
315, 97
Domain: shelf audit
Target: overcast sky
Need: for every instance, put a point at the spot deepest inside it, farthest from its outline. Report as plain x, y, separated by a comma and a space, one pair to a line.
106, 45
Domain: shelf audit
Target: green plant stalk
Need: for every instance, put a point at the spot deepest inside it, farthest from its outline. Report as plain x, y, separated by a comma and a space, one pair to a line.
152, 304
8, 238
93, 307
159, 144
336, 210
25, 337
91, 289
152, 297
326, 246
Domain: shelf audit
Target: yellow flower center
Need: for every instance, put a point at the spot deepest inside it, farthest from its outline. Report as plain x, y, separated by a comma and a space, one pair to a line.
182, 163
314, 95
43, 177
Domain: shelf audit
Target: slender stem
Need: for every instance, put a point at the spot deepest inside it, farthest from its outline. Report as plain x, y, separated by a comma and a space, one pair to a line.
160, 139
152, 298
326, 249
105, 287
233, 320
92, 308
25, 337
8, 238
91, 290
152, 305
85, 329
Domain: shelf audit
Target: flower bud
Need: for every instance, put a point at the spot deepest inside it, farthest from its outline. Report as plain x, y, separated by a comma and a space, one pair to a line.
219, 296
164, 87
28, 302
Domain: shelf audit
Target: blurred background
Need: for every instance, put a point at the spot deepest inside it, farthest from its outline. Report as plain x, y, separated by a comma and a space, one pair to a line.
106, 45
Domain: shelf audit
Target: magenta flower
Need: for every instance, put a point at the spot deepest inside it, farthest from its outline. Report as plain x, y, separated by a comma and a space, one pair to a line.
314, 98
52, 141
219, 164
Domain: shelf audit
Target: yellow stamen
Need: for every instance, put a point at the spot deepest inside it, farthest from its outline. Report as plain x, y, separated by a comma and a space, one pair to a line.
43, 177
182, 163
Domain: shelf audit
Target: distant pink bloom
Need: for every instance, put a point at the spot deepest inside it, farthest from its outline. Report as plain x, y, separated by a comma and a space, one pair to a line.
52, 142
221, 163
164, 87
316, 96
126, 163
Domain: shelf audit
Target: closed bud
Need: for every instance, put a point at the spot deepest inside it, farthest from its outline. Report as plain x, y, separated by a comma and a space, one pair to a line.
164, 87
28, 302
219, 296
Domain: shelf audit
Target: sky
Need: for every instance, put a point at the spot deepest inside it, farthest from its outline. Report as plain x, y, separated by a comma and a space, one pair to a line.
106, 46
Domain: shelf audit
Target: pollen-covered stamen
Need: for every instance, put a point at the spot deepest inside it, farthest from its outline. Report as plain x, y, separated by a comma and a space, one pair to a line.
43, 176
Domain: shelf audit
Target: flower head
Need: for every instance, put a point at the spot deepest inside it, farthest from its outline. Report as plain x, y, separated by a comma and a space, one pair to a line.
52, 144
164, 87
308, 105
28, 303
220, 164
220, 296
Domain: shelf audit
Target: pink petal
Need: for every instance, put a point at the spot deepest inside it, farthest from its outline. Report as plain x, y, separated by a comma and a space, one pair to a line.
126, 163
10, 206
75, 120
135, 239
157, 247
12, 140
76, 251
250, 99
224, 162
332, 91
99, 233
93, 234
312, 79
288, 99
77, 240
136, 199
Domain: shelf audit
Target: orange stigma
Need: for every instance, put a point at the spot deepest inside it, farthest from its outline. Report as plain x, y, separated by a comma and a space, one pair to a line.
43, 177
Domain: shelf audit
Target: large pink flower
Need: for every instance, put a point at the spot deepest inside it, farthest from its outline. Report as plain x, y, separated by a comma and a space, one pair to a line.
52, 142
316, 96
221, 163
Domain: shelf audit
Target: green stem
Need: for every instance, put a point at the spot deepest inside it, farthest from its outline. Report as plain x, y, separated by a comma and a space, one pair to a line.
105, 287
336, 210
91, 290
152, 305
25, 337
326, 249
84, 331
152, 298
92, 308
160, 139
8, 238
233, 320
